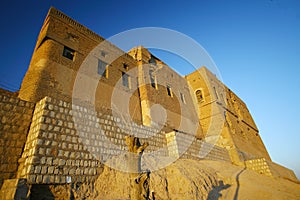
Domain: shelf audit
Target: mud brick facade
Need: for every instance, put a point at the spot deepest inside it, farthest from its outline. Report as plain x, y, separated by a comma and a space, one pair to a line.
82, 95
15, 116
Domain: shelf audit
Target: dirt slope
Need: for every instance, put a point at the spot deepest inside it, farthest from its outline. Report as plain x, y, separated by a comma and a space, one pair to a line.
190, 179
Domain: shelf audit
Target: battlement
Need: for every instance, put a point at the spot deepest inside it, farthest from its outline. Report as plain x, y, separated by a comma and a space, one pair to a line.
68, 20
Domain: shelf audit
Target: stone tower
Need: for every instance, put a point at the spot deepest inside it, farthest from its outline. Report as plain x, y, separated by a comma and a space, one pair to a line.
225, 118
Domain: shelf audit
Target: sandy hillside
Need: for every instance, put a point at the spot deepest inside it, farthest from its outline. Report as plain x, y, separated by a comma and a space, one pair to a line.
183, 180
247, 184
190, 179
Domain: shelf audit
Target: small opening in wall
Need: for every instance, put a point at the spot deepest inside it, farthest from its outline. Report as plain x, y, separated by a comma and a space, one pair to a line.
169, 90
152, 79
102, 68
216, 93
69, 53
103, 53
125, 66
199, 95
126, 80
182, 97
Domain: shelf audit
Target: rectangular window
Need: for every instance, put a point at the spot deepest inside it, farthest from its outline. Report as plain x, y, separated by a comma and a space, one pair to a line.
216, 93
152, 79
182, 97
125, 80
68, 53
102, 68
169, 90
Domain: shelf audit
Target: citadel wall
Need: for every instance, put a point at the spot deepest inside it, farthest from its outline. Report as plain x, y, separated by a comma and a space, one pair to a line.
159, 84
62, 135
225, 118
15, 118
63, 47
70, 143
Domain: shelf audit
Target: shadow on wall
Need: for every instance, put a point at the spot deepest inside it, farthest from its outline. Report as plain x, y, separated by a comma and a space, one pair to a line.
215, 194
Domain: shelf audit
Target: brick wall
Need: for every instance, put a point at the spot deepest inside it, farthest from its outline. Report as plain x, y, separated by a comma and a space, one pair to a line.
281, 171
266, 167
69, 142
15, 118
190, 147
259, 165
58, 149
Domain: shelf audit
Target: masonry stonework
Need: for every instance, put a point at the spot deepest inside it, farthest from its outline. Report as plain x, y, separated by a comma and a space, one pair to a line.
15, 116
53, 131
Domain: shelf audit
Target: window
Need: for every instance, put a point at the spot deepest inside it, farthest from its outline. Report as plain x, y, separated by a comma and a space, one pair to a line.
199, 95
182, 97
169, 90
125, 66
103, 53
152, 61
125, 80
68, 53
102, 68
152, 79
216, 92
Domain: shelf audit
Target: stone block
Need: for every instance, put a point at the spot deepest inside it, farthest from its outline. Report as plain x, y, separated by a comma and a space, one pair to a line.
51, 170
31, 178
44, 170
37, 169
57, 179
56, 171
61, 162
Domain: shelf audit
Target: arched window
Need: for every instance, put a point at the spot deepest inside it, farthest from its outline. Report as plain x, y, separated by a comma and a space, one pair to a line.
199, 95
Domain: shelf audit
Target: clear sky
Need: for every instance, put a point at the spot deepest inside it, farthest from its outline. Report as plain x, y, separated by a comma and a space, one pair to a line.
255, 44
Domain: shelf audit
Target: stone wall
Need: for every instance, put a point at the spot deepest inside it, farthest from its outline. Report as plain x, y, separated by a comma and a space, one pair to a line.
15, 118
282, 172
266, 167
190, 147
69, 142
226, 118
160, 85
259, 165
50, 73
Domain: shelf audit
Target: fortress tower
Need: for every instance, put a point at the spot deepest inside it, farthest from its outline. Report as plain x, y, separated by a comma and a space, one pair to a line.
225, 116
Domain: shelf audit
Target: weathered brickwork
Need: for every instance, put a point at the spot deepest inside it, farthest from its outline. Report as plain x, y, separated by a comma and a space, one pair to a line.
59, 147
46, 139
266, 167
282, 172
52, 74
259, 165
188, 146
226, 119
160, 84
15, 118
69, 142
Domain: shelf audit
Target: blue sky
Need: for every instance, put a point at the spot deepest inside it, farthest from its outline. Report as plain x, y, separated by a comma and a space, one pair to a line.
255, 45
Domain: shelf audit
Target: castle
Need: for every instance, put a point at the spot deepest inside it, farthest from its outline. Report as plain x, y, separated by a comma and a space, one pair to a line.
71, 115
